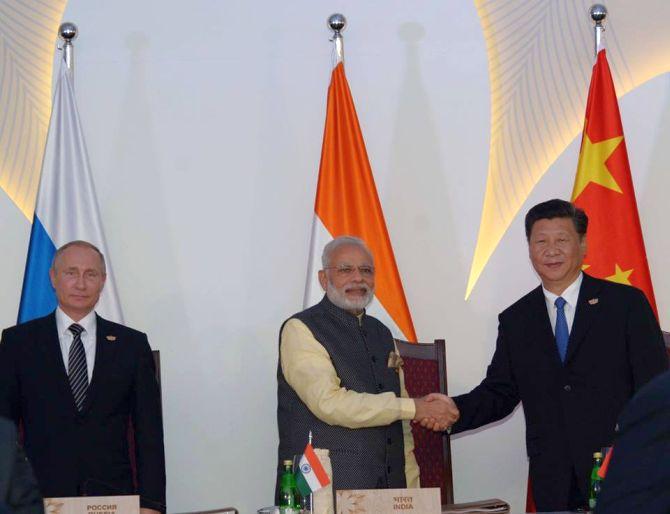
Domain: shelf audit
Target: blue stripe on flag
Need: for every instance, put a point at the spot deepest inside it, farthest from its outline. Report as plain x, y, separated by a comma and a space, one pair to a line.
37, 296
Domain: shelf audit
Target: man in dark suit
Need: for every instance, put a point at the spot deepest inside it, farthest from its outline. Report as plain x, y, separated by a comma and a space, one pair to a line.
573, 351
19, 493
638, 479
75, 380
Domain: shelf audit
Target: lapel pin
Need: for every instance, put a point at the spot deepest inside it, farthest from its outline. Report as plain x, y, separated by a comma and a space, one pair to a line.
111, 338
593, 301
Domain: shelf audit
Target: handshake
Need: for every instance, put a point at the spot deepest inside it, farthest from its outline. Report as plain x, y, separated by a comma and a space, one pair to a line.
436, 411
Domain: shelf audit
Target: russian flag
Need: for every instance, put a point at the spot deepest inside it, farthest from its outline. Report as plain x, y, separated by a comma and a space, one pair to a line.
66, 209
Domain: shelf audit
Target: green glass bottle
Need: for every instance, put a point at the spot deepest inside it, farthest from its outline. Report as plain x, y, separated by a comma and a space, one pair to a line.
596, 481
287, 490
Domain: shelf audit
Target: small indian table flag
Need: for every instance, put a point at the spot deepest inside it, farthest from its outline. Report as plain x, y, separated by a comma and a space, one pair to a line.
311, 475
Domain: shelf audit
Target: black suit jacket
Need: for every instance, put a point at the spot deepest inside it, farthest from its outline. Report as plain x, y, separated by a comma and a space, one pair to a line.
571, 409
18, 488
85, 453
638, 479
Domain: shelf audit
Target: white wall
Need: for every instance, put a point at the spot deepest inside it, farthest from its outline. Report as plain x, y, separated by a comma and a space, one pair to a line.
204, 123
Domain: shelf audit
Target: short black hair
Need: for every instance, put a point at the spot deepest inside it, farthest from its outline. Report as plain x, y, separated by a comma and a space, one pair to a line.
557, 209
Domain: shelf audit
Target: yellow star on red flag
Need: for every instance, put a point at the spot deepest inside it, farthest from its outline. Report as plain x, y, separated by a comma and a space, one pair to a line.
592, 167
603, 188
620, 276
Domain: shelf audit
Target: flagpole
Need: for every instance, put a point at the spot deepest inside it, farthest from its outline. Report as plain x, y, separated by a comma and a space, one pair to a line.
598, 13
337, 22
311, 496
68, 32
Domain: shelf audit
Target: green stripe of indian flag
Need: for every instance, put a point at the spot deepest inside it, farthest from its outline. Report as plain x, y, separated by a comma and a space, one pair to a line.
302, 485
311, 475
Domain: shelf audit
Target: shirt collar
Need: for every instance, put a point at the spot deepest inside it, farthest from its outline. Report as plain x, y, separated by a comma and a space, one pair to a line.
570, 295
63, 322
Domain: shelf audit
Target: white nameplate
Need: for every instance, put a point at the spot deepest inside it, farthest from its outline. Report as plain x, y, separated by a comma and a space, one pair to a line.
387, 501
93, 505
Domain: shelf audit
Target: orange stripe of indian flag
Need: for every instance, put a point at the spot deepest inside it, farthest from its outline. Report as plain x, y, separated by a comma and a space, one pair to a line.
347, 202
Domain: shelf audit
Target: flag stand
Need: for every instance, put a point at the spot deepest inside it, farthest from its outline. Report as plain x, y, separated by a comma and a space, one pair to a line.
337, 22
311, 496
68, 32
598, 13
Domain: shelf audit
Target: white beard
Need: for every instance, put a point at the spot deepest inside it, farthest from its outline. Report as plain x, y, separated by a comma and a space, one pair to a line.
338, 297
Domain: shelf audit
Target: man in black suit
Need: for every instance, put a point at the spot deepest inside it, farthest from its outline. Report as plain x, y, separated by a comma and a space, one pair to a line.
638, 479
19, 493
573, 351
75, 380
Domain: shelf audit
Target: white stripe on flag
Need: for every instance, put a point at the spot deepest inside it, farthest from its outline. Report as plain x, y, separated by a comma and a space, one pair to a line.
309, 475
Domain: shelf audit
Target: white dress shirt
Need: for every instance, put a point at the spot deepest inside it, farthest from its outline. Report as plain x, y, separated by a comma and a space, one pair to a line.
570, 295
65, 337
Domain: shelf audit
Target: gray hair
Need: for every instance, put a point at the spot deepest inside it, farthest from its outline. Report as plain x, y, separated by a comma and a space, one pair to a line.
342, 241
82, 244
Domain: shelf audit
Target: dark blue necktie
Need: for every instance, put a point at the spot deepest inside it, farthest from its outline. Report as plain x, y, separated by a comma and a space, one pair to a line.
562, 333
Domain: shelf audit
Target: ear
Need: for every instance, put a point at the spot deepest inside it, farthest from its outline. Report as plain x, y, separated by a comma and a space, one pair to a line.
52, 277
323, 279
583, 246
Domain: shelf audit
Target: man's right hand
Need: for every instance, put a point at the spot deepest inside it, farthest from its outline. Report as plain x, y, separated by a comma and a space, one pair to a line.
436, 411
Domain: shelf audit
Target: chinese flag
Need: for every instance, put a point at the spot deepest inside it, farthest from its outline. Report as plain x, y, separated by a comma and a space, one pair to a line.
604, 189
530, 502
347, 204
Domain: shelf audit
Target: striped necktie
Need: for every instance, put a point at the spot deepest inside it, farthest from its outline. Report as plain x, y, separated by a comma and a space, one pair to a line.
76, 368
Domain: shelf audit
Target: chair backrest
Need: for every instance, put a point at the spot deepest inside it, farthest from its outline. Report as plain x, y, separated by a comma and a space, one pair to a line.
131, 431
425, 370
666, 338
156, 354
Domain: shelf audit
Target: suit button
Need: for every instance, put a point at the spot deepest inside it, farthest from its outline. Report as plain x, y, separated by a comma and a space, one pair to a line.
567, 388
374, 358
389, 441
389, 469
381, 386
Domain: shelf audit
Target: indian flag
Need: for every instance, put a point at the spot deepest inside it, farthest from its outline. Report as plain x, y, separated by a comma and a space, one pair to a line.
310, 476
347, 204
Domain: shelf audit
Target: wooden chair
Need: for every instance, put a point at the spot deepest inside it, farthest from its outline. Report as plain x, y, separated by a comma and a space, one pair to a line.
131, 431
425, 370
